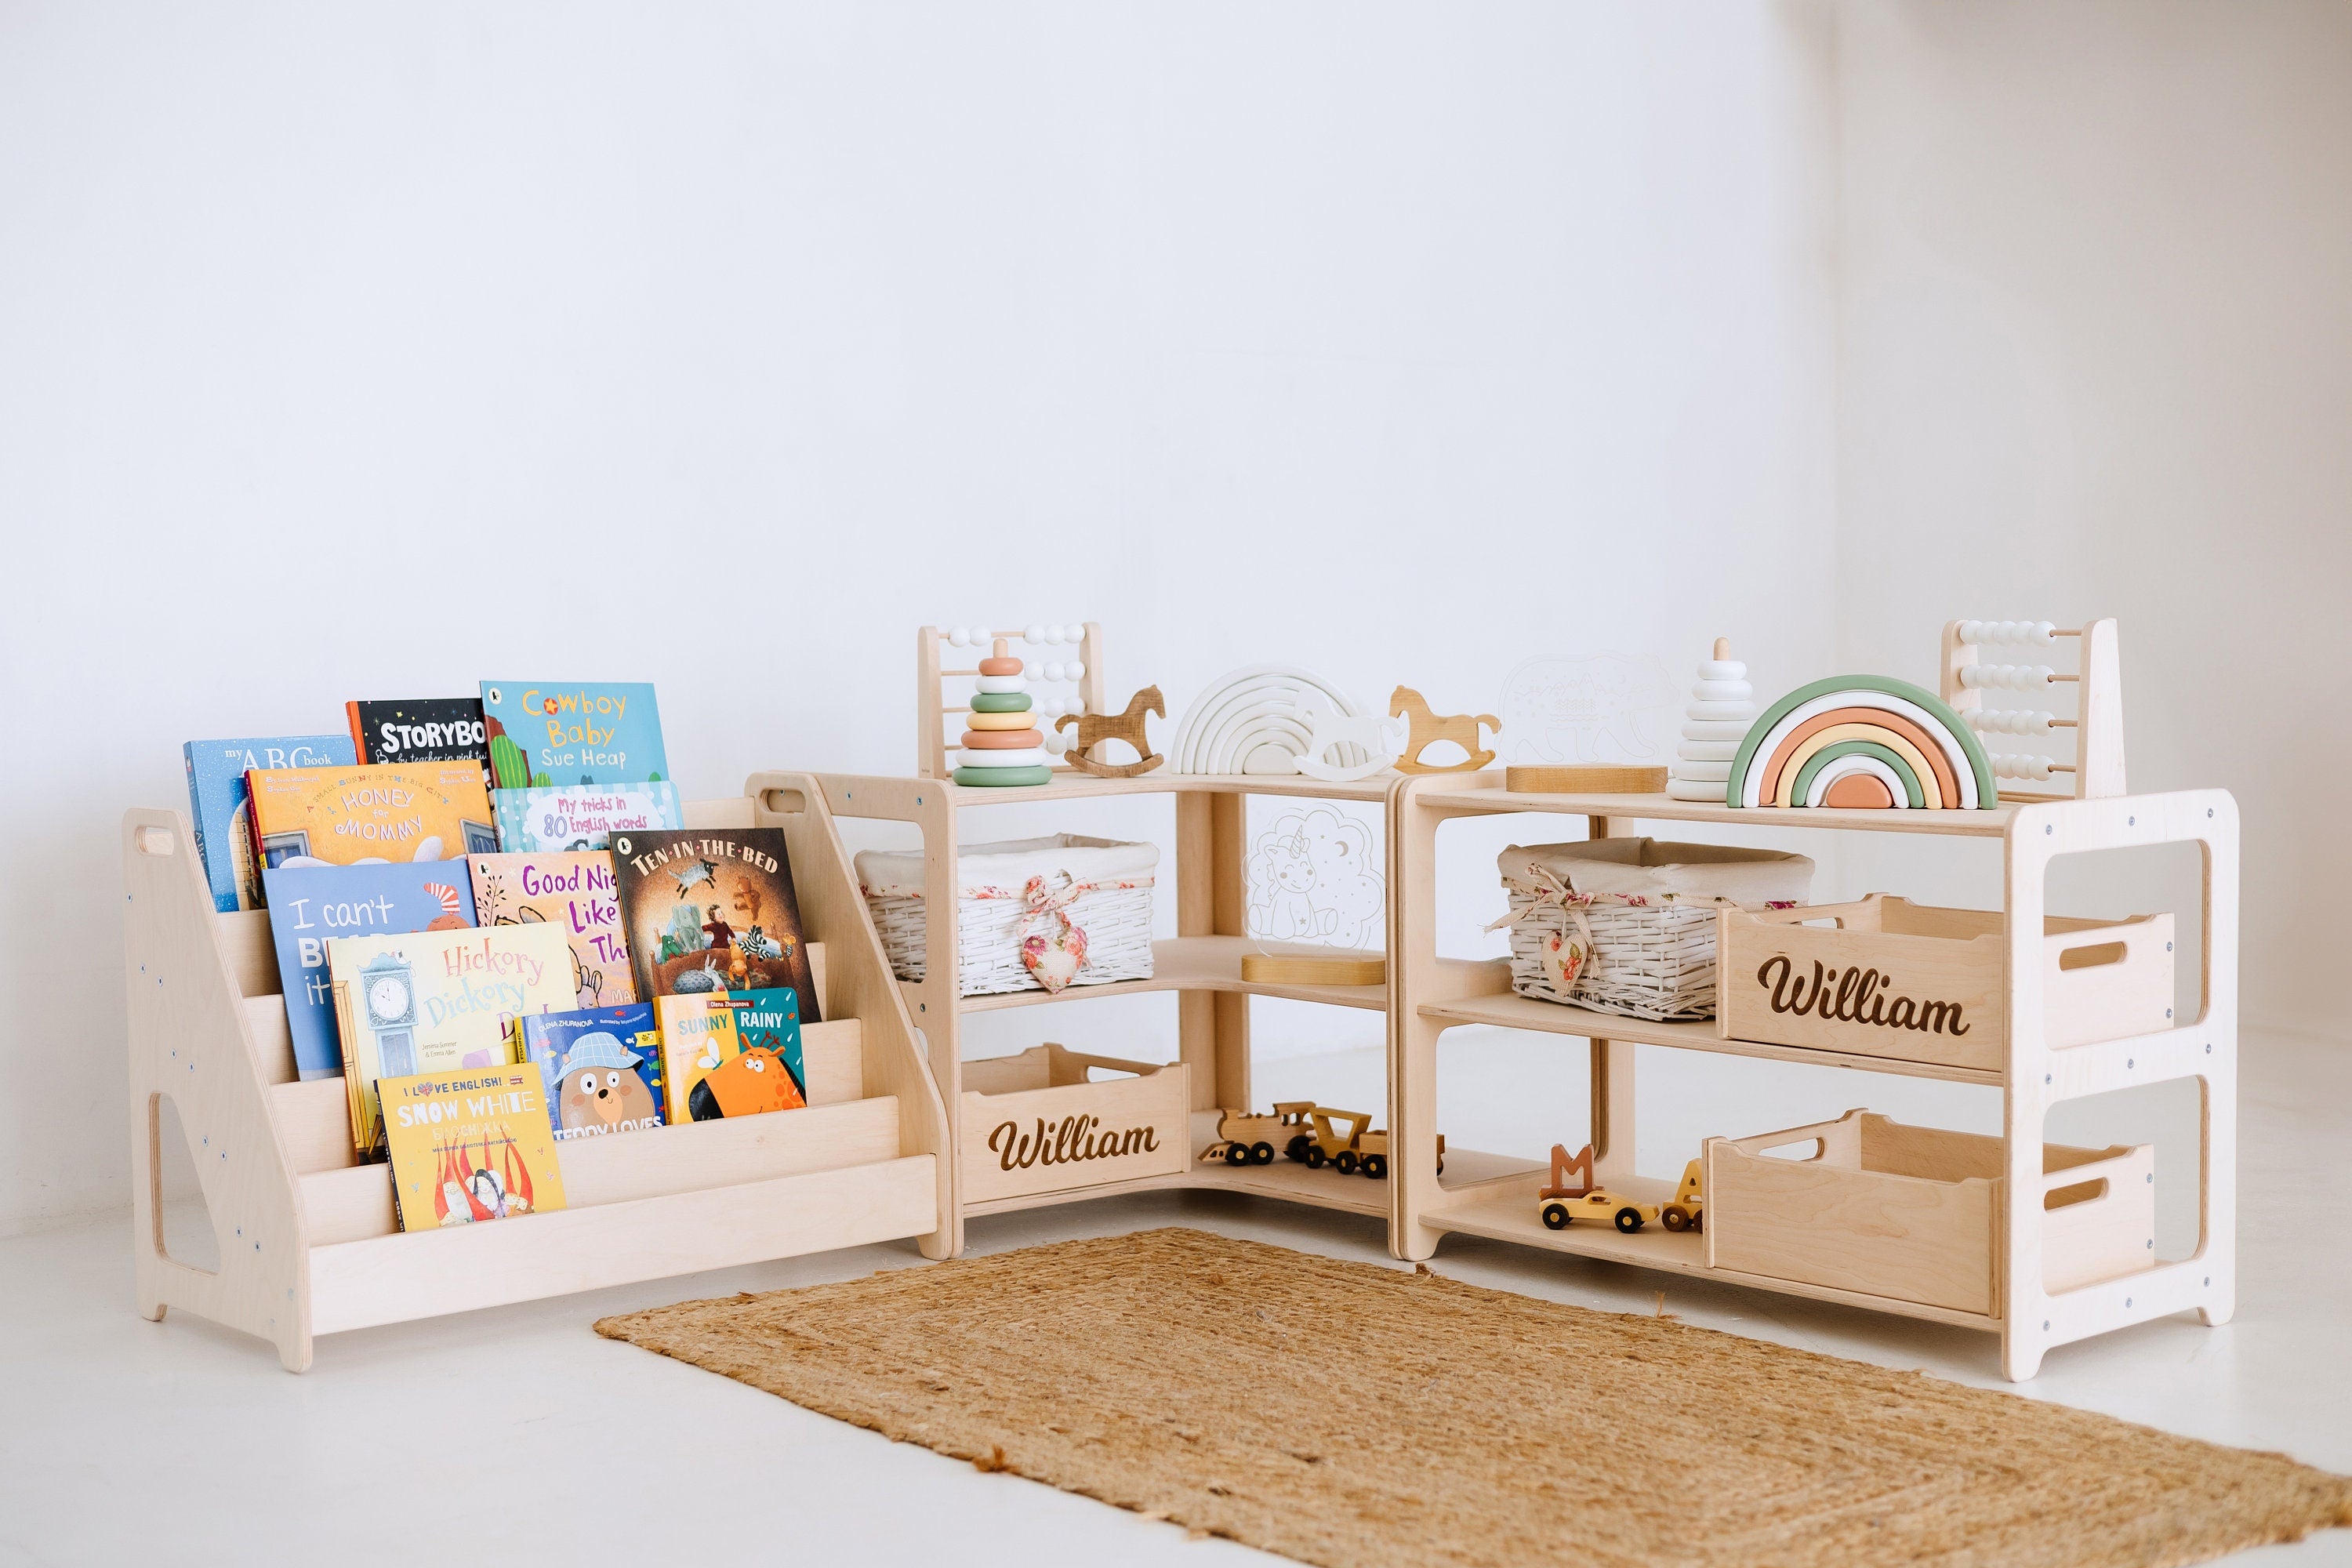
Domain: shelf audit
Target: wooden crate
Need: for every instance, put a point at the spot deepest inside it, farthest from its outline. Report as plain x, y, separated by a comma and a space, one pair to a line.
1913, 1214
308, 1240
1036, 1124
1891, 978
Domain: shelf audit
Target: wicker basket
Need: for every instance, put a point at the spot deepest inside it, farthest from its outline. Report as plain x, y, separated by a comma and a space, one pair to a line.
1007, 892
1627, 925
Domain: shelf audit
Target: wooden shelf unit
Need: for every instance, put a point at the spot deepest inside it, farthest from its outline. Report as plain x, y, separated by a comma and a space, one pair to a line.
1201, 965
1429, 995
308, 1240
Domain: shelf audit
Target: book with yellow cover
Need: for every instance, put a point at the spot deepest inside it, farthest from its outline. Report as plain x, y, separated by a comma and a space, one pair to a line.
345, 817
470, 1146
731, 1053
437, 1002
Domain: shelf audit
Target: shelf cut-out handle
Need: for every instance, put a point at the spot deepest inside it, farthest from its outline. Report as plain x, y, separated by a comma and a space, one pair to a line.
156, 841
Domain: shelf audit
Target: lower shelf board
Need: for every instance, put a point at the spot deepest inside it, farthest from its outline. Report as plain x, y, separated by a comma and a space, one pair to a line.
1508, 1211
1285, 1179
423, 1274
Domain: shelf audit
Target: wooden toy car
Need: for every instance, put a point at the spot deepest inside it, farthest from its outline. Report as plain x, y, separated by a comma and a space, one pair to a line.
1348, 1143
1243, 1139
1689, 1211
1595, 1206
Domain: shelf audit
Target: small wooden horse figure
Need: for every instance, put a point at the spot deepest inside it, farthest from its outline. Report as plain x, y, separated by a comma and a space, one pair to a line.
1096, 728
1428, 729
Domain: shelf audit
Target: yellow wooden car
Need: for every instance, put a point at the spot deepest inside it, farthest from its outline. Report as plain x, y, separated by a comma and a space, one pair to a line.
1598, 1206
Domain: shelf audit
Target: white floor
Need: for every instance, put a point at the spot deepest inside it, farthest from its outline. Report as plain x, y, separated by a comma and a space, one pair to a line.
518, 1436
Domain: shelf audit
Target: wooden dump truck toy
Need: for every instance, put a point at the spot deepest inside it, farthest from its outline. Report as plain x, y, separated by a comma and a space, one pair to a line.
1314, 1135
1244, 1138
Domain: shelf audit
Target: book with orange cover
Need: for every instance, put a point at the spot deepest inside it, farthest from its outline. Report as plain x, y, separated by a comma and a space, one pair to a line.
349, 817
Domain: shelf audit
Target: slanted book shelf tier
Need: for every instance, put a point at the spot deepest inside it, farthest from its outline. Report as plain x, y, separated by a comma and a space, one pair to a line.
307, 1241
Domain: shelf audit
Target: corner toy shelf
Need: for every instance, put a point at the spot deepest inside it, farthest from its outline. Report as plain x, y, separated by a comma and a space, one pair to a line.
308, 1240
1433, 995
1201, 965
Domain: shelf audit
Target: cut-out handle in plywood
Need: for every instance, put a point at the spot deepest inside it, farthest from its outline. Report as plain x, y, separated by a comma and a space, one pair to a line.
155, 841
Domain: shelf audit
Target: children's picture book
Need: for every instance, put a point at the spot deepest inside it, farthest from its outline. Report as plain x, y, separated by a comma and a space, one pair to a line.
349, 817
437, 1002
216, 796
602, 1068
731, 1053
470, 1146
581, 817
712, 910
420, 730
572, 892
545, 733
311, 905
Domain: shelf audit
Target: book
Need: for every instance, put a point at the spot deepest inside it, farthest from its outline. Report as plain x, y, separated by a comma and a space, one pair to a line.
572, 892
545, 733
420, 730
470, 1146
581, 817
437, 1002
731, 1053
602, 1066
712, 910
216, 796
311, 905
349, 817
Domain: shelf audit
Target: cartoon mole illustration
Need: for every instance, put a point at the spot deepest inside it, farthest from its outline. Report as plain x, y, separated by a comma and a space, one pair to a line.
598, 1089
744, 1085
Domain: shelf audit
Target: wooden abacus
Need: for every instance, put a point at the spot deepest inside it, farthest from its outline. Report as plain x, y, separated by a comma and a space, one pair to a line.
940, 714
2098, 719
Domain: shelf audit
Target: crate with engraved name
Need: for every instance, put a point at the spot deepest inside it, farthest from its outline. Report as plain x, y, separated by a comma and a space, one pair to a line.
1885, 977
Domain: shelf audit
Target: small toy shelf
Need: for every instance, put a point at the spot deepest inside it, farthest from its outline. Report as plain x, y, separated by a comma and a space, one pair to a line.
2037, 1300
1201, 965
309, 1244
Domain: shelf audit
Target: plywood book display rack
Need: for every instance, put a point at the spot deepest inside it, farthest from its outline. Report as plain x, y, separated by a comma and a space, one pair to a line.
2053, 1047
307, 1238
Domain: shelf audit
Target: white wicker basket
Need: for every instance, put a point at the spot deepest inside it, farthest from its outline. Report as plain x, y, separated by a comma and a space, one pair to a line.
1005, 892
1627, 925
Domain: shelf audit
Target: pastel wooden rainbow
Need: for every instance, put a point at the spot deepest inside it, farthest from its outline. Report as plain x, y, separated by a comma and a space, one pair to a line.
1861, 741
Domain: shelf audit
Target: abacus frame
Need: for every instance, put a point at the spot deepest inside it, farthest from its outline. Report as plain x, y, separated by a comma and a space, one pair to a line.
2098, 721
933, 712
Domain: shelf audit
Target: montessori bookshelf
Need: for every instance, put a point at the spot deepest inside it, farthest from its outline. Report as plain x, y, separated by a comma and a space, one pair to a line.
308, 1240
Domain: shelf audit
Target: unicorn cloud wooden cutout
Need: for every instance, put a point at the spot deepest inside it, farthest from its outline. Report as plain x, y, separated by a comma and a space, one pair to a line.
1326, 728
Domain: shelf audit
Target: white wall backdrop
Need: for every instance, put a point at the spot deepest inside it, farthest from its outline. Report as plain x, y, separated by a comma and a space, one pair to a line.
366, 354
352, 354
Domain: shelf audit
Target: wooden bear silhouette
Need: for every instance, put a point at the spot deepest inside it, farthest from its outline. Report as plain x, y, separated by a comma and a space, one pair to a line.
1428, 729
1095, 727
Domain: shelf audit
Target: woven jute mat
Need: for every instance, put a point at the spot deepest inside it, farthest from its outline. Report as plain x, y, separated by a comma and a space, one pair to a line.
1348, 1415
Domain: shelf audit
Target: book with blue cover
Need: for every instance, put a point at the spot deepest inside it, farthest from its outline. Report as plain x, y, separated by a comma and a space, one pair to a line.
602, 1068
216, 797
581, 816
545, 733
309, 904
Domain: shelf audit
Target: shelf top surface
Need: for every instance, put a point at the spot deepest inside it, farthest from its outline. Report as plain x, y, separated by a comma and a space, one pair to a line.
1490, 797
1070, 784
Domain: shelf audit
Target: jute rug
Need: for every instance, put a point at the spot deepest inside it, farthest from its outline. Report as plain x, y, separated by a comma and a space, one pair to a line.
1348, 1414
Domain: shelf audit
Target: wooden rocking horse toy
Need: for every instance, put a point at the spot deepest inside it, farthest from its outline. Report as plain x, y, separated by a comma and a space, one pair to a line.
1326, 729
1428, 729
1095, 727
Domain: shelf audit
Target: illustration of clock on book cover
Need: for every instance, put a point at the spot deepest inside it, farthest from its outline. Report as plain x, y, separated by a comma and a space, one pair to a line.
710, 910
437, 1002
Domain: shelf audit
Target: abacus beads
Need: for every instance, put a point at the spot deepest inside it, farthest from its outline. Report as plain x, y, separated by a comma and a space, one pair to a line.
2017, 766
2007, 677
2011, 721
2041, 633
1051, 637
